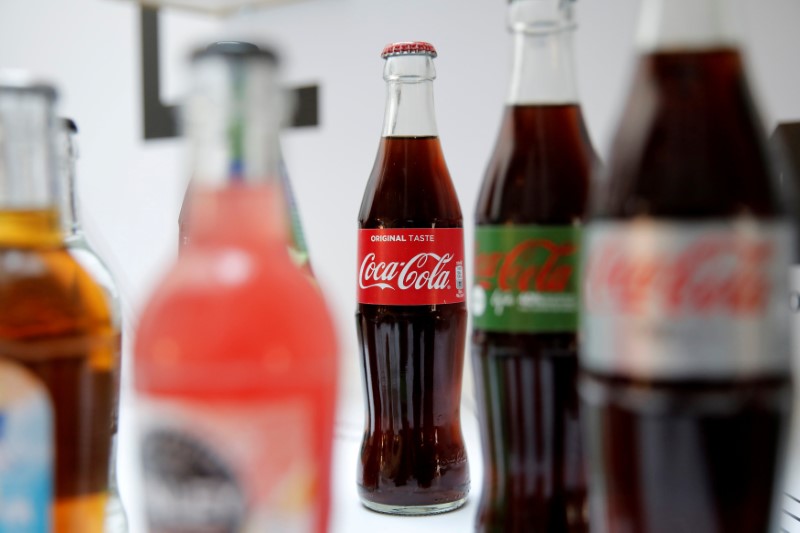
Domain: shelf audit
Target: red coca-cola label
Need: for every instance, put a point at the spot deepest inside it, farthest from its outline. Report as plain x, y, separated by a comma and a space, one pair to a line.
422, 266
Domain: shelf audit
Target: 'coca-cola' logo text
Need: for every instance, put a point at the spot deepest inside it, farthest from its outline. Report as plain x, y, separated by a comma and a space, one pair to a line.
411, 266
711, 275
423, 271
536, 265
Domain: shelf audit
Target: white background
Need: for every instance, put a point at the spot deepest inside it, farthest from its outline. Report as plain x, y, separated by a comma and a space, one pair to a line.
131, 190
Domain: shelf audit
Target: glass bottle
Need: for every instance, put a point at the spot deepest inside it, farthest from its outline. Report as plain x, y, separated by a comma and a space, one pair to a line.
55, 320
529, 216
685, 322
79, 247
235, 358
411, 318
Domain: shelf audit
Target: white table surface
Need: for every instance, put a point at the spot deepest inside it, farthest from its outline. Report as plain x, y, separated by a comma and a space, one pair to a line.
349, 516
347, 513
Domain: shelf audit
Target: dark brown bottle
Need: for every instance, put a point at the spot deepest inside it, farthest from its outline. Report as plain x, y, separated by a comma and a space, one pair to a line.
524, 344
411, 317
686, 352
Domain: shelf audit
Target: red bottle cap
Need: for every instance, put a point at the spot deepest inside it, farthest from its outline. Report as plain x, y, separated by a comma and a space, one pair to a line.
409, 48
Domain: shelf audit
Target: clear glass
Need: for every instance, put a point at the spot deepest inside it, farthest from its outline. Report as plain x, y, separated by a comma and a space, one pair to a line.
79, 247
27, 176
234, 114
233, 118
298, 249
409, 96
543, 69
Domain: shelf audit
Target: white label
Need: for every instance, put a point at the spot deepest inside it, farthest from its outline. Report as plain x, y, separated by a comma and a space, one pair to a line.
211, 468
686, 301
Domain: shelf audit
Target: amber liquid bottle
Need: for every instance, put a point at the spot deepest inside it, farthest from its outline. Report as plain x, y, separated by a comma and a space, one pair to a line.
525, 301
686, 350
79, 247
411, 333
54, 318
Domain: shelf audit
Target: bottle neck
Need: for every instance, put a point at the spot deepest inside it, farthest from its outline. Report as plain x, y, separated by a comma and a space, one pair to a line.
68, 148
409, 97
678, 25
28, 167
28, 162
543, 70
233, 118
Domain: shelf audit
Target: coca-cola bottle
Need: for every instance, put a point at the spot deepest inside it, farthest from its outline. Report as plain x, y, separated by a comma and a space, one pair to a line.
235, 360
412, 314
525, 296
685, 324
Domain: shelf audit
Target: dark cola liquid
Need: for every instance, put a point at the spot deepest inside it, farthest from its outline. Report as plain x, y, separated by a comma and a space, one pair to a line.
681, 457
526, 382
413, 451
686, 458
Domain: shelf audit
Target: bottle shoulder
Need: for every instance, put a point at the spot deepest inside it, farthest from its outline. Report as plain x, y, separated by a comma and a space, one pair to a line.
540, 169
236, 291
410, 186
690, 143
46, 292
224, 325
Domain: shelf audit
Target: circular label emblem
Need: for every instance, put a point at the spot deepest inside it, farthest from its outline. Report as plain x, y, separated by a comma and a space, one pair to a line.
188, 487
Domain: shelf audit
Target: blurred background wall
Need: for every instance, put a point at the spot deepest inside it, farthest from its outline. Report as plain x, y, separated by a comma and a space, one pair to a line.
131, 190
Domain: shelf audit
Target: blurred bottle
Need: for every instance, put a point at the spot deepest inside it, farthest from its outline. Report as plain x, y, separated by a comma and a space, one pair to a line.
235, 366
79, 247
411, 316
686, 349
298, 250
525, 301
55, 320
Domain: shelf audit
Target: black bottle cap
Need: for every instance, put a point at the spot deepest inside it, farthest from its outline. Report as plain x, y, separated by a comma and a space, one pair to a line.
236, 50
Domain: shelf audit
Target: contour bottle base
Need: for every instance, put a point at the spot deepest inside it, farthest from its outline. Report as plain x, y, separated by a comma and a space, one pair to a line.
414, 510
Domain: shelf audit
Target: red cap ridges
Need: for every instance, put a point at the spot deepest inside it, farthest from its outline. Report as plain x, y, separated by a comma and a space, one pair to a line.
408, 48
